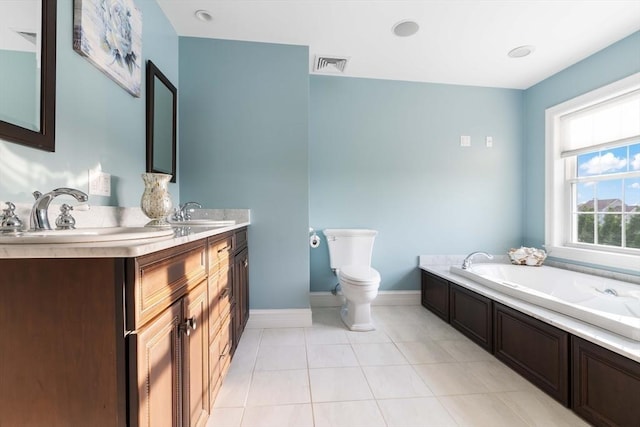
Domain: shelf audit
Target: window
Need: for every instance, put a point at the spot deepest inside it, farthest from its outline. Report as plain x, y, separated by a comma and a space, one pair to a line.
593, 177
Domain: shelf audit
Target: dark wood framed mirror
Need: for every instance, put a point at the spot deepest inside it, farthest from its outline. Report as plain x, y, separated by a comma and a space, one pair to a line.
28, 114
162, 102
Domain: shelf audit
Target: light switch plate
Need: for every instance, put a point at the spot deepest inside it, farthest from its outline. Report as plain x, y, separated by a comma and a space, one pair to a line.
99, 183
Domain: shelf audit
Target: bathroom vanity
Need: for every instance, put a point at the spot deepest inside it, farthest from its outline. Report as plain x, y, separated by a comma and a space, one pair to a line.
121, 334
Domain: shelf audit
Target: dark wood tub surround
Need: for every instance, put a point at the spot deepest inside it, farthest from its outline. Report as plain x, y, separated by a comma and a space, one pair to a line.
599, 385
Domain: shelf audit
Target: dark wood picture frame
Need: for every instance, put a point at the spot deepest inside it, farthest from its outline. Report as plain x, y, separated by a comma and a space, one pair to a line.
43, 139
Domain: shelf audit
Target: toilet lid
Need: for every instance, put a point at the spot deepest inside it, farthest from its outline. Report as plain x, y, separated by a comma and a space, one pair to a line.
359, 273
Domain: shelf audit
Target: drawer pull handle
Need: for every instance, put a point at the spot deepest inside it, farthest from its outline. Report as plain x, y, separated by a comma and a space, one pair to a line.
189, 325
225, 351
223, 249
224, 293
246, 263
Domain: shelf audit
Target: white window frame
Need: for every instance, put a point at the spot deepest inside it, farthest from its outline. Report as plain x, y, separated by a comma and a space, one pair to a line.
557, 192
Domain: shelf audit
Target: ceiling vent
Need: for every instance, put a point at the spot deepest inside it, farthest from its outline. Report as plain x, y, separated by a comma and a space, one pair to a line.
330, 64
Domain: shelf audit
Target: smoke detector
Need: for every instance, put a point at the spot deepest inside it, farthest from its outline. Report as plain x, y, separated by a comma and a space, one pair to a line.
330, 64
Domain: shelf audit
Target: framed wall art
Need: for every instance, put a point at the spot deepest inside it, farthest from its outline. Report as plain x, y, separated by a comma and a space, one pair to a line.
109, 34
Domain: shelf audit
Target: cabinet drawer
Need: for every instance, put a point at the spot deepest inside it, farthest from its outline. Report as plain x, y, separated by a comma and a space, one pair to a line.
219, 250
163, 277
219, 299
219, 359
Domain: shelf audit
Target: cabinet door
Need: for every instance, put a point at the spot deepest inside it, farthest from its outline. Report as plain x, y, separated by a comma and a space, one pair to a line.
537, 351
435, 295
196, 357
471, 314
242, 276
239, 296
606, 385
159, 369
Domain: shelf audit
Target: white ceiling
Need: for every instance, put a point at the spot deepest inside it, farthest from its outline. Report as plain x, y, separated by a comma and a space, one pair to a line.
461, 42
16, 16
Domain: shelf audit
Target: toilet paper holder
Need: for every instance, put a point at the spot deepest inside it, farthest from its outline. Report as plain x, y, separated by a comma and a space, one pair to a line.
314, 239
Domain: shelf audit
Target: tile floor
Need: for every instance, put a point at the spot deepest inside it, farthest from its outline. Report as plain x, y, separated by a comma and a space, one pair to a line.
414, 370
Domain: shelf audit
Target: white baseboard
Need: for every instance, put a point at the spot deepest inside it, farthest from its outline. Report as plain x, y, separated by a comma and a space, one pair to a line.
285, 318
327, 299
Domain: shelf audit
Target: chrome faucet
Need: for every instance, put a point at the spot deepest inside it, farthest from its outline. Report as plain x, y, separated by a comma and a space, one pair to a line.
182, 212
40, 212
466, 264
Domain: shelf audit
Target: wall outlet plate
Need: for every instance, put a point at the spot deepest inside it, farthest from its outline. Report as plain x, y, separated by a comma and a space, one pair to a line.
465, 141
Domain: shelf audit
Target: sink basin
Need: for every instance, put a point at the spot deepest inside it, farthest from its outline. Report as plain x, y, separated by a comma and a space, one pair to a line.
84, 235
204, 223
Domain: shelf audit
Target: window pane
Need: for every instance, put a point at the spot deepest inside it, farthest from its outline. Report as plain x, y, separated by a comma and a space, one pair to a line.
609, 194
632, 194
634, 157
633, 231
632, 197
604, 162
585, 228
585, 196
610, 229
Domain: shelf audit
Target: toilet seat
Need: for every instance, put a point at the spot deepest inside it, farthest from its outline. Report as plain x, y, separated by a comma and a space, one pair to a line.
359, 275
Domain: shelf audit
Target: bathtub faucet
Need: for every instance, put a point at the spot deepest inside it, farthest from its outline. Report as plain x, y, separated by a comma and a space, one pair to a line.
466, 264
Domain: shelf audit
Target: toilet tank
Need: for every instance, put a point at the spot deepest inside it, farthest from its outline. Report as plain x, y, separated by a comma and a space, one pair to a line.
349, 246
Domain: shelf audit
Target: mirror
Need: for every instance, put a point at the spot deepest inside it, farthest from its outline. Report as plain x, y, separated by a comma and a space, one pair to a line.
161, 122
28, 72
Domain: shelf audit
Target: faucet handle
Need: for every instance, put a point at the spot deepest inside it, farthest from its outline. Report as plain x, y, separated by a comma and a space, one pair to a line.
9, 220
65, 221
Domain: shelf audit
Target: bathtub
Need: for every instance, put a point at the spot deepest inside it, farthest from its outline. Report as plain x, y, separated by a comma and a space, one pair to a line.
585, 297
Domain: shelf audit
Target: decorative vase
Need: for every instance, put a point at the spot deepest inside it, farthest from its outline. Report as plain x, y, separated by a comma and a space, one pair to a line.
156, 200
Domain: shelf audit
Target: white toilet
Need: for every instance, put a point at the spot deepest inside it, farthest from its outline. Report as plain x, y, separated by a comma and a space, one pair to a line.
350, 258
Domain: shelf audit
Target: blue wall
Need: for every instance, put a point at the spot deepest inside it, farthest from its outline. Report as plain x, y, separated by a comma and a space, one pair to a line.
243, 137
386, 155
607, 66
97, 122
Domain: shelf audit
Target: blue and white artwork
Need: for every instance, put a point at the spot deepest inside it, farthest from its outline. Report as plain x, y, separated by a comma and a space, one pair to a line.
109, 34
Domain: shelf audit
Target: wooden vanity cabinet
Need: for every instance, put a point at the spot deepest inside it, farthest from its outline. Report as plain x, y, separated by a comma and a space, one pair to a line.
142, 341
169, 354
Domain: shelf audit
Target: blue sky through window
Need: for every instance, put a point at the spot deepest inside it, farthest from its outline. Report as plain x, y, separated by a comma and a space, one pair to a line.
606, 162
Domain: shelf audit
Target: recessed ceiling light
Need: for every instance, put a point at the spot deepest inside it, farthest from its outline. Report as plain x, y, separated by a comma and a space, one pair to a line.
521, 51
203, 15
405, 28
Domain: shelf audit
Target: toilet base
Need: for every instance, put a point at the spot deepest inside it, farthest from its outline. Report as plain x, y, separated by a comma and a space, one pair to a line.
357, 317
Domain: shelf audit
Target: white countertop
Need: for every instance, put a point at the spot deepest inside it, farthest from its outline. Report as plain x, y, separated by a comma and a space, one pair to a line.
114, 249
614, 342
